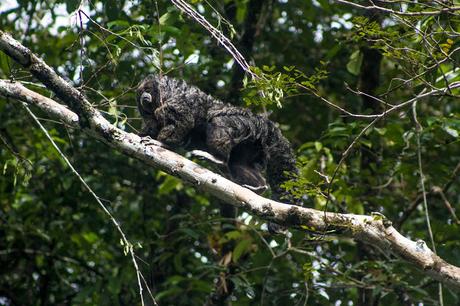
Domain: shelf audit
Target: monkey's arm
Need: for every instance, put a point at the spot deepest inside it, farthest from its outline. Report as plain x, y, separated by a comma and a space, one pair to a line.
149, 132
177, 120
150, 129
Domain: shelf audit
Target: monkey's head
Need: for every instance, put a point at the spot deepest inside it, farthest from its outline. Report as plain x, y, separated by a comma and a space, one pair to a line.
148, 95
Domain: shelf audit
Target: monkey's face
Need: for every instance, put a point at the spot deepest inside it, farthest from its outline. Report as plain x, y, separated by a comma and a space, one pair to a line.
147, 94
146, 100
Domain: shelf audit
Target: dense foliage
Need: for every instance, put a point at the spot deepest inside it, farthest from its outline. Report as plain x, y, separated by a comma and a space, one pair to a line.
58, 247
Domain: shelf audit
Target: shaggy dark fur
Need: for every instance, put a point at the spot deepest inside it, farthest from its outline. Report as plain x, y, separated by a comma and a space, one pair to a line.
178, 114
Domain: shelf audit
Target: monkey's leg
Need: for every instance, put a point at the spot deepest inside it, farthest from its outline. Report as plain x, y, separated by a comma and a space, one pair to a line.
150, 129
246, 163
149, 132
240, 159
247, 176
219, 141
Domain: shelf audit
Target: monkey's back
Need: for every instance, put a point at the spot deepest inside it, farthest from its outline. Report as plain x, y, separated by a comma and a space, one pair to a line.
242, 123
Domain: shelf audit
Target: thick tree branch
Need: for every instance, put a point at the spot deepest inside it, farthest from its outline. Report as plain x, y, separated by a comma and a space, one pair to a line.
16, 91
374, 230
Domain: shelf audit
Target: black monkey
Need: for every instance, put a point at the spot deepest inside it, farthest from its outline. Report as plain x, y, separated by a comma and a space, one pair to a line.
178, 114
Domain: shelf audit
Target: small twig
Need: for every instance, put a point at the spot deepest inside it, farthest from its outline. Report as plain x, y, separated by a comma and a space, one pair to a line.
346, 153
82, 43
346, 112
408, 211
418, 130
221, 38
438, 190
344, 156
374, 7
360, 93
324, 176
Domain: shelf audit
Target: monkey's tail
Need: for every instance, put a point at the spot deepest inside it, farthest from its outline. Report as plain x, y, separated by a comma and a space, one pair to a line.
281, 164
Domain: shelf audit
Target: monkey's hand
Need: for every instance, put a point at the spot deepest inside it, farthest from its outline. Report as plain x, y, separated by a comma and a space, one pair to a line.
150, 129
149, 141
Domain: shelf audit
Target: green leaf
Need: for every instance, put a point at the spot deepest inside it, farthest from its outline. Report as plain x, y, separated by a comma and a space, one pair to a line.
72, 5
90, 237
168, 18
232, 235
318, 146
241, 248
354, 64
308, 270
451, 131
190, 233
170, 183
118, 24
4, 66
